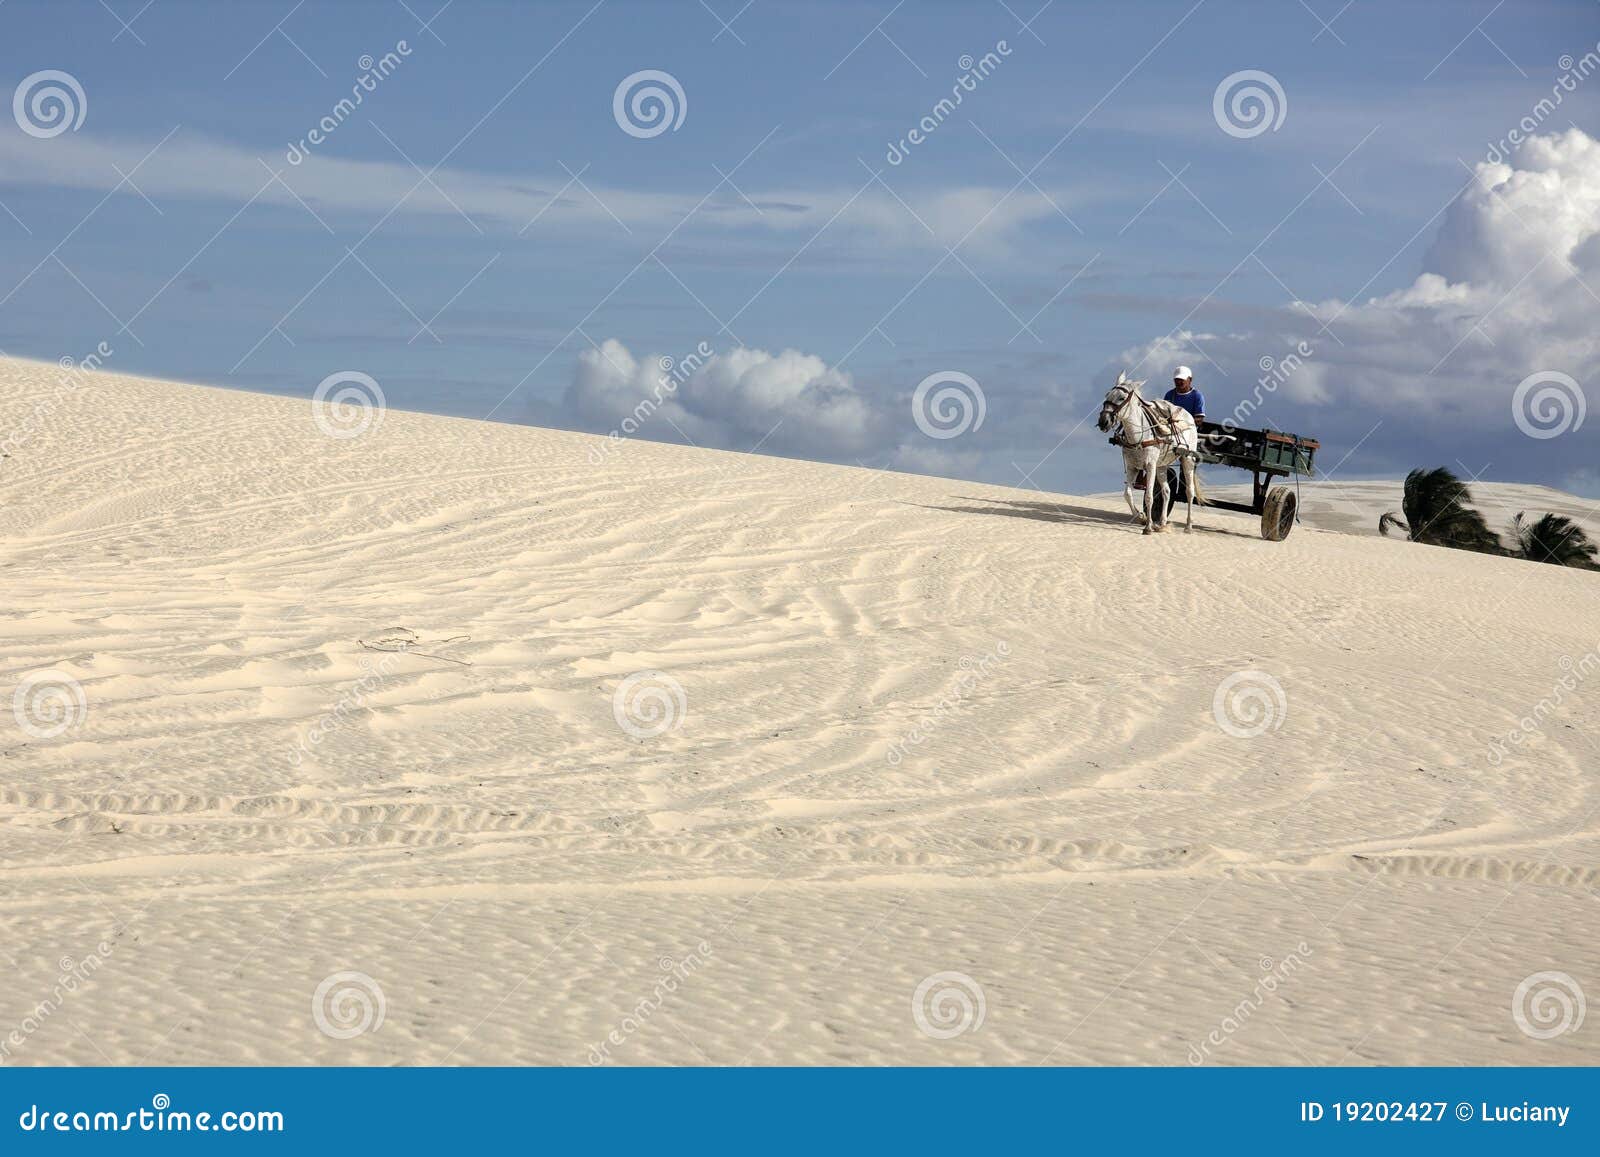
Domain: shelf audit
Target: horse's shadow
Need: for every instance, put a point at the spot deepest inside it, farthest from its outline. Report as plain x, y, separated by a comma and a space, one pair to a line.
1068, 512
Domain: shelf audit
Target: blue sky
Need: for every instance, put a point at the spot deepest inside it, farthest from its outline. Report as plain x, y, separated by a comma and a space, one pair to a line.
482, 237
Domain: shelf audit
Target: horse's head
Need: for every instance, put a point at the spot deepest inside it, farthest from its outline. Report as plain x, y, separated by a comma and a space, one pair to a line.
1116, 399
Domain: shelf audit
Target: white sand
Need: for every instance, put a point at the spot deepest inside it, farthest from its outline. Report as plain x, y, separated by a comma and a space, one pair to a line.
1073, 831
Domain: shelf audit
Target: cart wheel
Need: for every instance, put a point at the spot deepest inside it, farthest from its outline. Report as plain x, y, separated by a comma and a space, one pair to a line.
1277, 514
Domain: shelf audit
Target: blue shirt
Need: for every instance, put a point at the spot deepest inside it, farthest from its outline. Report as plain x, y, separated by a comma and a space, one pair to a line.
1192, 401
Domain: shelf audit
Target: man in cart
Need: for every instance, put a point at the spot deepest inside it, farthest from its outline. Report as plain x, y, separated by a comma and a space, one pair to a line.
1184, 394
1214, 436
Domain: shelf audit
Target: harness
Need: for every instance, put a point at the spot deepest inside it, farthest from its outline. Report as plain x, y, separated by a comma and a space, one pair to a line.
1163, 425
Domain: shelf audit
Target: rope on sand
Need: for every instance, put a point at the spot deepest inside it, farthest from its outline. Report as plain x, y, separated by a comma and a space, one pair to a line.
405, 639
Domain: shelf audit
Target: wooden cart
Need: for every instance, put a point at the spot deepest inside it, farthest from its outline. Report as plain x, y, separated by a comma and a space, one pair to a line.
1267, 454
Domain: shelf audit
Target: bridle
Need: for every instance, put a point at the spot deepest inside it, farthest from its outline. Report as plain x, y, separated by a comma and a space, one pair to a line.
1113, 405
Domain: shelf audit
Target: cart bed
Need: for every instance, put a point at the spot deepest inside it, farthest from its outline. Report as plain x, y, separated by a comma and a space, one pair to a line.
1268, 451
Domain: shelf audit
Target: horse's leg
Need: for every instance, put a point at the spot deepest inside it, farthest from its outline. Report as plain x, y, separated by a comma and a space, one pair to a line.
1163, 491
1129, 473
1149, 489
1188, 492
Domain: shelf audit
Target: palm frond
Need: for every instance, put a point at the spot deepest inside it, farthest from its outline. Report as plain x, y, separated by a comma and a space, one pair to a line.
1553, 538
1395, 521
1437, 512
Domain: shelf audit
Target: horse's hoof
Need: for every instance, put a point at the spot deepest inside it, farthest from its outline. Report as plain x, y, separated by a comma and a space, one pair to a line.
1147, 530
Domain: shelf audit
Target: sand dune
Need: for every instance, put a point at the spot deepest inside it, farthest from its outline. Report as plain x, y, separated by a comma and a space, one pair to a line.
702, 757
1355, 507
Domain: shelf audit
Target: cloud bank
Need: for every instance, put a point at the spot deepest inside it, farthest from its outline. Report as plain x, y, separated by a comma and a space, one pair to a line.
1509, 290
1433, 368
743, 399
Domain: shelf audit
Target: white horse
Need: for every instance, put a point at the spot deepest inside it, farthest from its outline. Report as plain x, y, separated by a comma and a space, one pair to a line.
1153, 435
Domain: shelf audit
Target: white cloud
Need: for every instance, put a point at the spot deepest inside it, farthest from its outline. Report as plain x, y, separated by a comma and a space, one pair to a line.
188, 166
737, 400
786, 403
1506, 293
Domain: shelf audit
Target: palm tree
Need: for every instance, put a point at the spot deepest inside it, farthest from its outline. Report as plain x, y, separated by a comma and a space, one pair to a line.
1552, 538
1437, 512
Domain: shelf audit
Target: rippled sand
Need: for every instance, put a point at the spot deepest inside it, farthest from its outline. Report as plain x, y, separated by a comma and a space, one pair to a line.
892, 737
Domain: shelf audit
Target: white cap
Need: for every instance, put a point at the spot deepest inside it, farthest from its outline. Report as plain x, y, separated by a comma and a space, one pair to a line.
1183, 372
